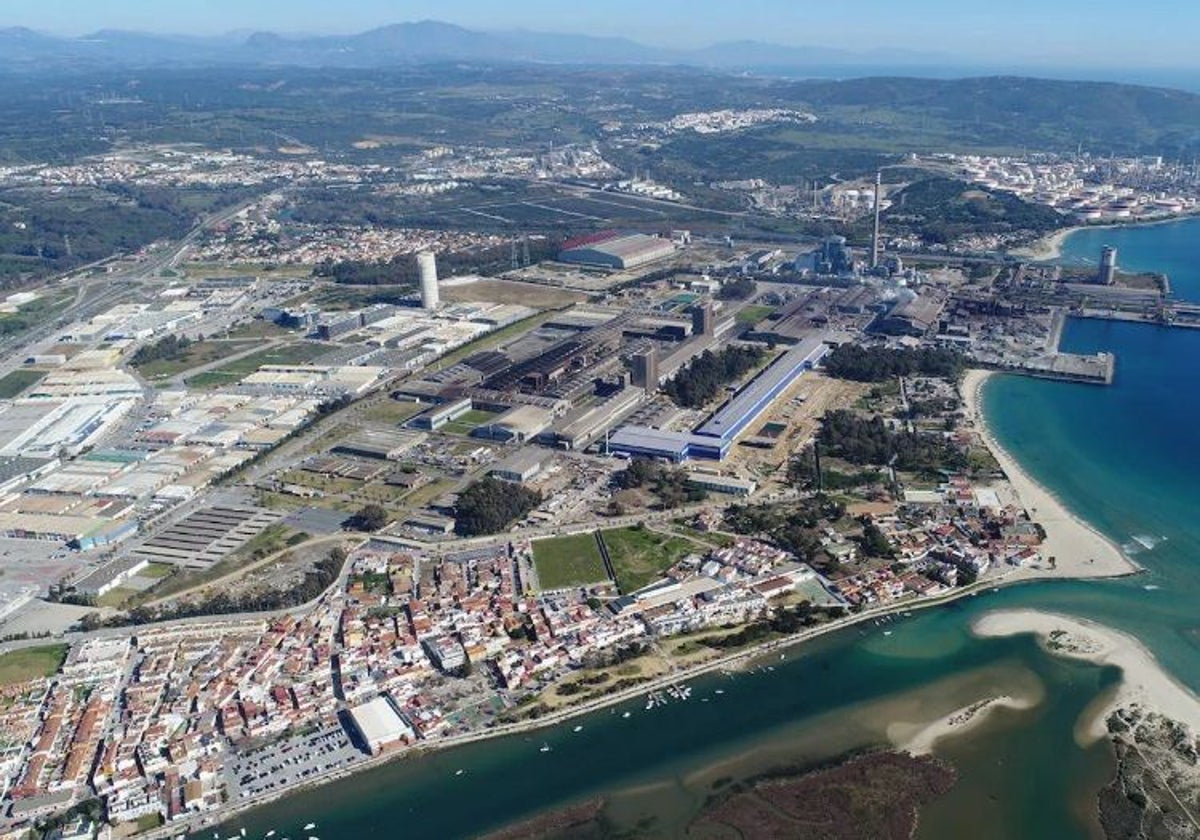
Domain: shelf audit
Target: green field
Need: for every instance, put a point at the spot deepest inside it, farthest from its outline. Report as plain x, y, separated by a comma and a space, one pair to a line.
197, 354
393, 411
752, 314
116, 597
23, 665
427, 493
259, 329
17, 381
287, 354
468, 422
640, 556
568, 561
157, 570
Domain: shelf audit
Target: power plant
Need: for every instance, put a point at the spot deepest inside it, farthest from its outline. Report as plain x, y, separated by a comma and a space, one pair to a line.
427, 263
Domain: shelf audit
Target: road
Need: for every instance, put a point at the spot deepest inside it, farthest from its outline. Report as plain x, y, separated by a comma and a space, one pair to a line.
96, 294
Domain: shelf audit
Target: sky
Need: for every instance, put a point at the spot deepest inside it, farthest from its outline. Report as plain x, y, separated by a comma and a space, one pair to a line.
1149, 33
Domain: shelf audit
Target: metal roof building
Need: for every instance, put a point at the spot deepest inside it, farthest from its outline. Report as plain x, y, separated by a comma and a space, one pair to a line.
613, 249
715, 436
748, 403
379, 724
520, 466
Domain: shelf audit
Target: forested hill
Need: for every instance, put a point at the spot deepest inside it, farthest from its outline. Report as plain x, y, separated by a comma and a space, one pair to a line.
1023, 112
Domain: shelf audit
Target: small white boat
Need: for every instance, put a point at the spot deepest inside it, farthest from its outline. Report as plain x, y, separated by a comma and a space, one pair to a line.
243, 832
544, 748
577, 729
626, 714
719, 691
459, 772
310, 826
887, 632
270, 833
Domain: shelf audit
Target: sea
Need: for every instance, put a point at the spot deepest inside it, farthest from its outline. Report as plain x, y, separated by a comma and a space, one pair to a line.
1125, 458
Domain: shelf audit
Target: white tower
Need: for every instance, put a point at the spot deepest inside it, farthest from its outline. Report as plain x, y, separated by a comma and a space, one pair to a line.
427, 263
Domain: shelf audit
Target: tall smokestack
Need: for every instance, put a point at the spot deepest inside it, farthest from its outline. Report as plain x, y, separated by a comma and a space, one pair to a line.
875, 234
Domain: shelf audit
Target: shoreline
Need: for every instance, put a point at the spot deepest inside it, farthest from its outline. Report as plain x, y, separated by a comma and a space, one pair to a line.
1068, 531
1050, 247
221, 816
1079, 549
1046, 248
1144, 681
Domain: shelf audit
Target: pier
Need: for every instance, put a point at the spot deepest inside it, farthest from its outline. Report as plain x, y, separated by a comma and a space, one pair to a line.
1095, 369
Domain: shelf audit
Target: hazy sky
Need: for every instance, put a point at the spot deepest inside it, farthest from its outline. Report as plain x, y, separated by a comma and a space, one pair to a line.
1097, 32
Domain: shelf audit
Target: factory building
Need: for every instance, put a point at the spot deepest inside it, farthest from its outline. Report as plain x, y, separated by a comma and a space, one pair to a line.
834, 257
645, 370
728, 484
107, 578
745, 406
438, 416
319, 381
427, 264
337, 326
617, 250
379, 445
517, 425
713, 438
520, 466
580, 427
913, 317
676, 447
304, 316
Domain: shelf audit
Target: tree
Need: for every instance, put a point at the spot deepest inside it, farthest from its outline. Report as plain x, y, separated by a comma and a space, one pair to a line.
370, 517
875, 543
866, 440
490, 505
739, 289
701, 381
879, 364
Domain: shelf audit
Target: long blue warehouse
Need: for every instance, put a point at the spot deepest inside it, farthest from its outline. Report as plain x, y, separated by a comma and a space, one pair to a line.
713, 438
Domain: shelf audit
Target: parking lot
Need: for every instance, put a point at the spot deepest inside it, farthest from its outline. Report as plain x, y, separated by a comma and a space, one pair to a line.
291, 761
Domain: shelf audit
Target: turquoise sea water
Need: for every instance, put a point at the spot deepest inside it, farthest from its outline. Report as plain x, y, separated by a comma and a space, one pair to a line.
1125, 457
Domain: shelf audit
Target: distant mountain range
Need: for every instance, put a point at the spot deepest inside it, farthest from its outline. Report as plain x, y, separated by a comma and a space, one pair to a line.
424, 41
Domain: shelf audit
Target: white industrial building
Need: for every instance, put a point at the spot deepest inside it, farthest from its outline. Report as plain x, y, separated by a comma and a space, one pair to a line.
380, 724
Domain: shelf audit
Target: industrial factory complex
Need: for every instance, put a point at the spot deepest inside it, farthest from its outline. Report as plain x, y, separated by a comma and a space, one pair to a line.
713, 438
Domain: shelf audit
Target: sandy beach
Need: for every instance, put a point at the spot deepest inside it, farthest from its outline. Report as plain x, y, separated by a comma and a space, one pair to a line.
958, 722
1144, 682
1045, 249
1079, 549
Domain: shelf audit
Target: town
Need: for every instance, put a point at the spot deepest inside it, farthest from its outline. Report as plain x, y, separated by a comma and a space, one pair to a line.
305, 530
359, 451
